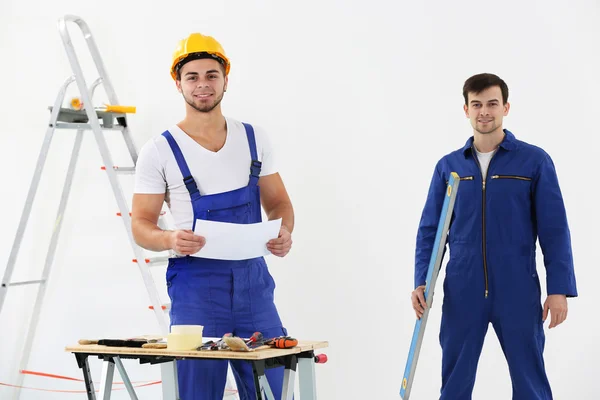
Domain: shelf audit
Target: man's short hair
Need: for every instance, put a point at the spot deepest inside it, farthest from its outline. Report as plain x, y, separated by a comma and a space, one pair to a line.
198, 56
478, 83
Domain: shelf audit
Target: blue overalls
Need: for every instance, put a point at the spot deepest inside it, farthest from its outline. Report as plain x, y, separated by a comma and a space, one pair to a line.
491, 274
223, 296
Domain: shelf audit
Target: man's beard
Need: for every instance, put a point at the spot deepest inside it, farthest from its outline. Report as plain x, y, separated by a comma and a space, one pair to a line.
491, 129
207, 108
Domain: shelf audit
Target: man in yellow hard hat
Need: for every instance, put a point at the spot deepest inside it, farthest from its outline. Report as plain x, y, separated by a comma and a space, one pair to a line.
216, 168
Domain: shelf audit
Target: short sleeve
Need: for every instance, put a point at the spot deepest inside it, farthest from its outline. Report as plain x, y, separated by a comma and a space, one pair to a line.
149, 174
267, 155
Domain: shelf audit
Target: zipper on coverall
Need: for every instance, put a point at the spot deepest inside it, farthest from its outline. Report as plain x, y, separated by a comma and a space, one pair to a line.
483, 238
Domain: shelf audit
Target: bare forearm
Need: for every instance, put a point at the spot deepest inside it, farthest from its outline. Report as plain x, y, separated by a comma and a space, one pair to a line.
149, 236
285, 211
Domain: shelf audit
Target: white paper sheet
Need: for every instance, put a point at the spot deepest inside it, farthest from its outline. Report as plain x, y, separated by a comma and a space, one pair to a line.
226, 241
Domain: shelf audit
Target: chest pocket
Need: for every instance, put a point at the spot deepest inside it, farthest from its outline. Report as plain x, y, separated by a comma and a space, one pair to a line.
463, 178
517, 177
238, 214
468, 194
510, 189
510, 184
466, 210
468, 187
510, 206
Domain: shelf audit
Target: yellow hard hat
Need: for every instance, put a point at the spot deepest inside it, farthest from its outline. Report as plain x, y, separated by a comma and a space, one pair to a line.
198, 46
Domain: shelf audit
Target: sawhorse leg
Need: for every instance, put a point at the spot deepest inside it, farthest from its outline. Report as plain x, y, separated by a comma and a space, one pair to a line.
106, 382
82, 362
289, 377
261, 384
263, 389
125, 378
108, 371
306, 369
170, 386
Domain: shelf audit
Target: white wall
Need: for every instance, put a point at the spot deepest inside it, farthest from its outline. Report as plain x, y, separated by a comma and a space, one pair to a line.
361, 99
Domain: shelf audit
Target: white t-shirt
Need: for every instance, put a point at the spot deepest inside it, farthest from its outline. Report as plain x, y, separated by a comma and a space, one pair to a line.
484, 161
228, 169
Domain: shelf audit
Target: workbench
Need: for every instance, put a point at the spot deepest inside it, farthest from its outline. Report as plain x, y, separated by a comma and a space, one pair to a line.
301, 357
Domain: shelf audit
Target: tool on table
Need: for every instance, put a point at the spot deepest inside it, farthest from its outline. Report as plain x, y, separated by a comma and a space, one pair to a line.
116, 342
218, 345
282, 342
257, 337
255, 342
154, 345
237, 344
141, 341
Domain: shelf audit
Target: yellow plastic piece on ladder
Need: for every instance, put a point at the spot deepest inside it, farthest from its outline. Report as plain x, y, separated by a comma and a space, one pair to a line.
120, 109
76, 103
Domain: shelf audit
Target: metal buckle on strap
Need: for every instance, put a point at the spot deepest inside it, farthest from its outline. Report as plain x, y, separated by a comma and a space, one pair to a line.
255, 168
190, 184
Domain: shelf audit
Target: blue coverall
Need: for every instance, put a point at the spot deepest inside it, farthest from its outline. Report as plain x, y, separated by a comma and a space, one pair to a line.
491, 274
224, 296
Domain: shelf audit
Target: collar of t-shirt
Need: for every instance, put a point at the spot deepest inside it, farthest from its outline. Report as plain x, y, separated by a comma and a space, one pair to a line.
484, 160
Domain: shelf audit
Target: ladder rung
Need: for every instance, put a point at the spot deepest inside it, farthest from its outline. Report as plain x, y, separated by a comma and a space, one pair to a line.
164, 307
71, 125
25, 283
161, 213
154, 261
121, 170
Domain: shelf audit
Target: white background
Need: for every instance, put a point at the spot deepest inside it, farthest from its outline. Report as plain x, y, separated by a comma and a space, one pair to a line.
361, 99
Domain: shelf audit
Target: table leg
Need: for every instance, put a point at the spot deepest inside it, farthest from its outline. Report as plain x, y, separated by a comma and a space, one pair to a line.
261, 384
170, 385
125, 378
82, 362
108, 370
289, 378
306, 371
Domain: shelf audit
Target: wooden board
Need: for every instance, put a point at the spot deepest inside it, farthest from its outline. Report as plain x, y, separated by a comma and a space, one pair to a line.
259, 354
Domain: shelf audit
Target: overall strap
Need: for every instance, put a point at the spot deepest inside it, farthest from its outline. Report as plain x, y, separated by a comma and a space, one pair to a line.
255, 165
190, 184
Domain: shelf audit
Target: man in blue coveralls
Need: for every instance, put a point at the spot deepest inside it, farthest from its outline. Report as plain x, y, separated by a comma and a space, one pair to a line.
213, 168
508, 197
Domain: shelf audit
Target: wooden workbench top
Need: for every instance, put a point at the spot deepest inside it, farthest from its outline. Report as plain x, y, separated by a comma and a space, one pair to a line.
259, 354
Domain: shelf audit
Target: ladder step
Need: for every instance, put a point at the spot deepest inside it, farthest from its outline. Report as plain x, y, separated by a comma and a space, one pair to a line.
121, 170
69, 118
24, 283
75, 125
154, 261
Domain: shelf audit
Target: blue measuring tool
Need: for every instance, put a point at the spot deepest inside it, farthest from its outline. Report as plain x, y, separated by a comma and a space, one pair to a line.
437, 254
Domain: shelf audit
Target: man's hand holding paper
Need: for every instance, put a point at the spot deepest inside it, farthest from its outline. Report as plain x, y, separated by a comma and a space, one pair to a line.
228, 241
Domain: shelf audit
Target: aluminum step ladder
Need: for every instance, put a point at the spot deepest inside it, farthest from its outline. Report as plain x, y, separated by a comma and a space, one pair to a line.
97, 120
